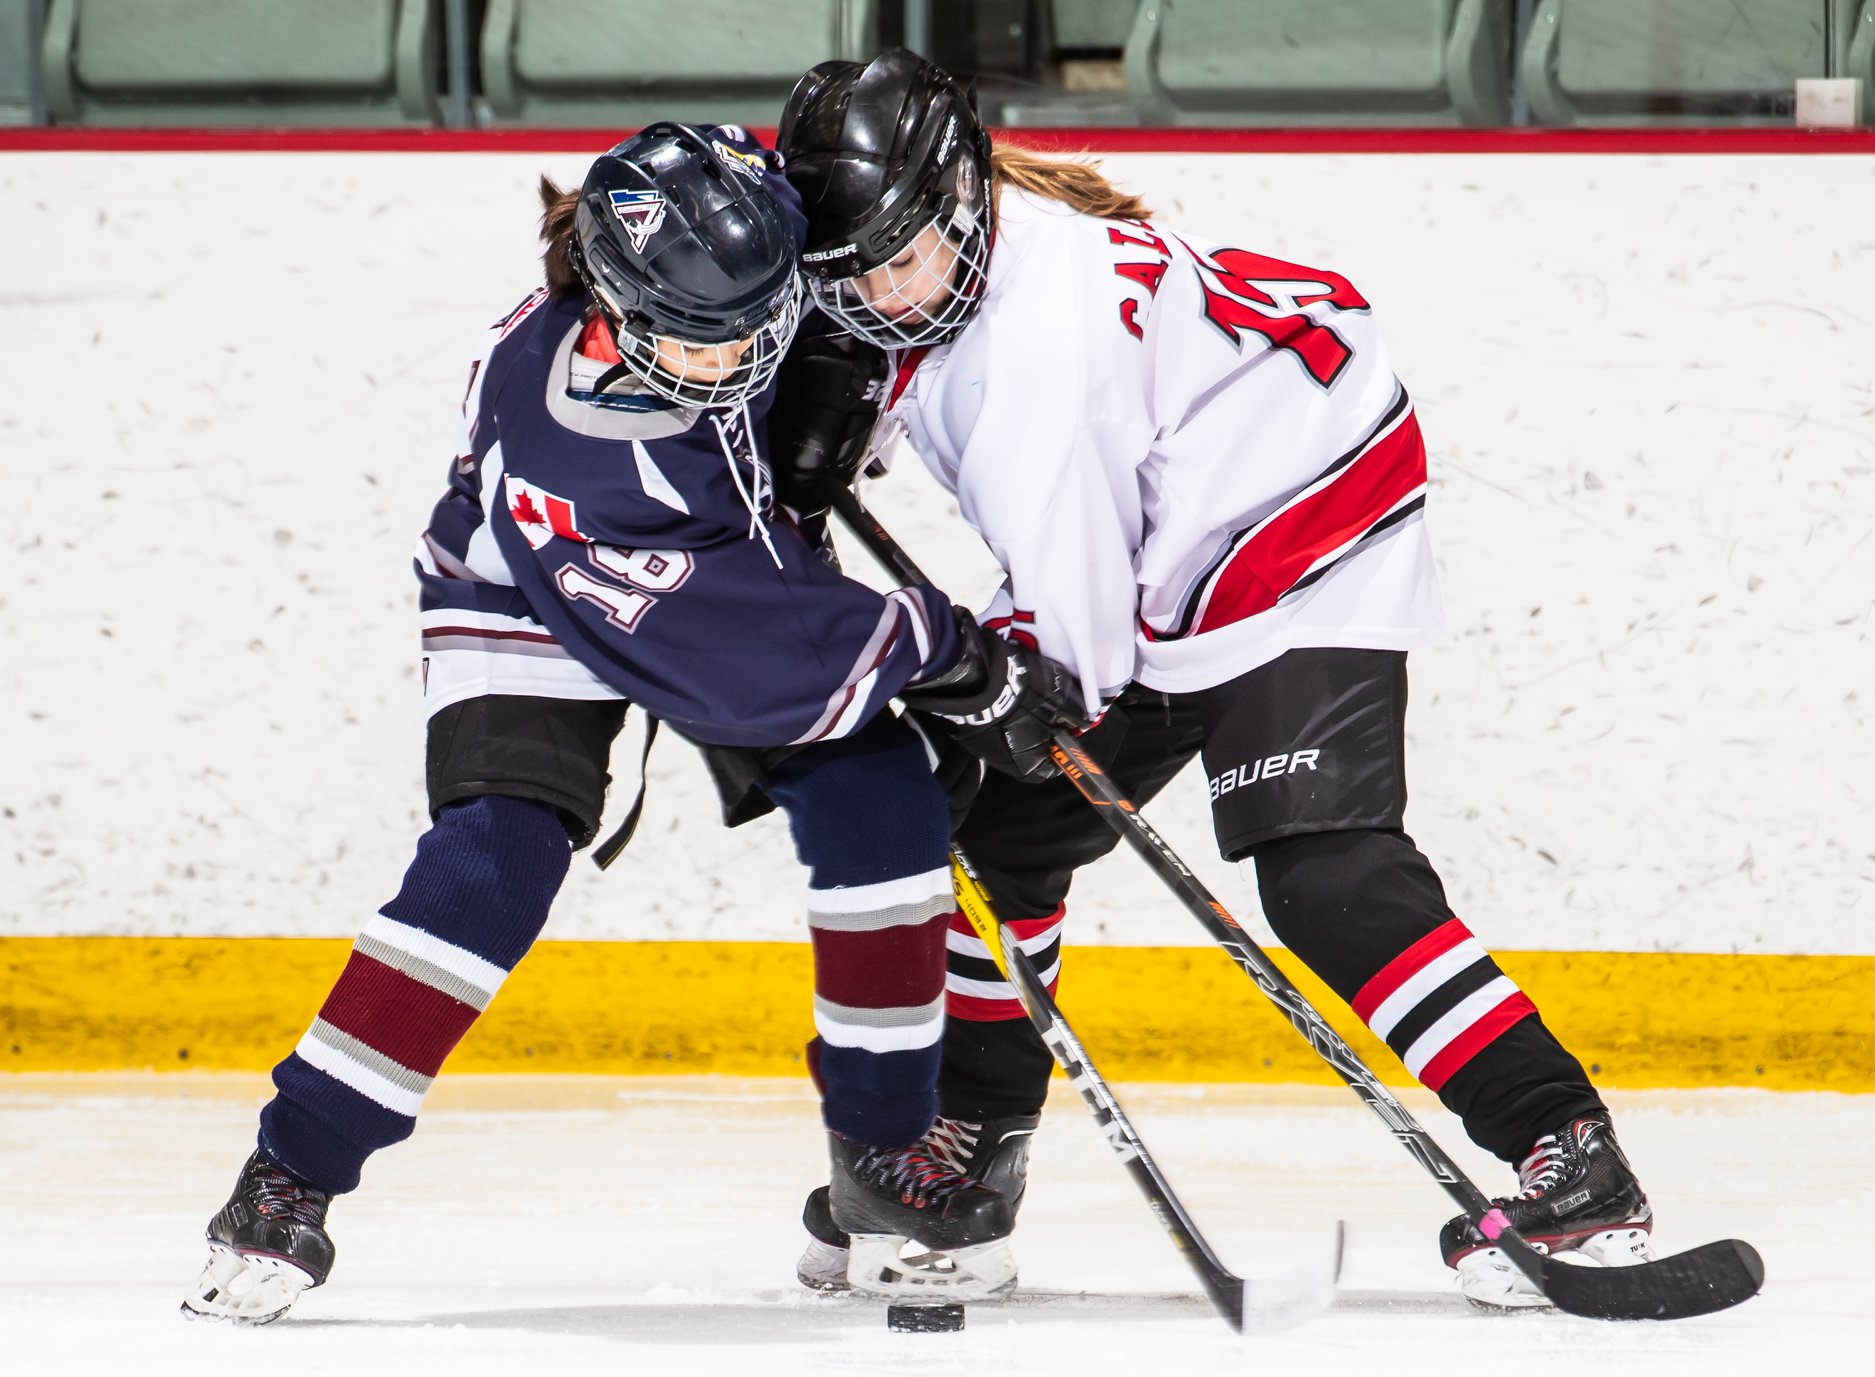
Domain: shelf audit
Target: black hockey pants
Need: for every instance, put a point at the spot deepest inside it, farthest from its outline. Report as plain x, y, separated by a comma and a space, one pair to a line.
1342, 885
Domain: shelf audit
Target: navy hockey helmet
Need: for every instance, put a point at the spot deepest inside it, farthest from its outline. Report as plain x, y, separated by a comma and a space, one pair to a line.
881, 153
693, 260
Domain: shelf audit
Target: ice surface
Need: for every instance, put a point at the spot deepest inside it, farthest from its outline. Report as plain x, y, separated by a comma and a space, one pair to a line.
630, 1226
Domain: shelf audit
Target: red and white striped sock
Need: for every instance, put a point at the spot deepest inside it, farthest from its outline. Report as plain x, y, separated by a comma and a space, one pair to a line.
1440, 1002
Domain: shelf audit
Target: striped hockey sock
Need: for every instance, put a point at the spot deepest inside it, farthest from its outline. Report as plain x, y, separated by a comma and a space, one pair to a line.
1440, 1002
472, 903
1367, 913
873, 827
973, 982
879, 1003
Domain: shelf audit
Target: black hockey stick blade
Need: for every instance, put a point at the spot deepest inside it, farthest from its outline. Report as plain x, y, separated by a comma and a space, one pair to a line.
1699, 1281
1283, 1301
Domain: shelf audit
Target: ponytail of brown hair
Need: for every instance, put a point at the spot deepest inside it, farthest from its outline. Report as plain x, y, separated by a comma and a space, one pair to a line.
1077, 183
556, 232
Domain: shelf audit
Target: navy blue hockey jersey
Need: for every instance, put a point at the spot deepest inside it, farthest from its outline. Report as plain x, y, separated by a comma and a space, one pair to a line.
620, 546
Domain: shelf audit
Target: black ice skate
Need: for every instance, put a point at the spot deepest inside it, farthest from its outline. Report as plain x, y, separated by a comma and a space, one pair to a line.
1579, 1202
267, 1245
994, 1152
916, 1230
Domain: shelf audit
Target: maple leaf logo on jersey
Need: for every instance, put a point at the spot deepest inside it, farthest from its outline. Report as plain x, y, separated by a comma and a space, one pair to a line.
642, 214
540, 516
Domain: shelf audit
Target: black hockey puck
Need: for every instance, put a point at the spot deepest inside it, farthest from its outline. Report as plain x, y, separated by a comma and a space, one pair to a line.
924, 1319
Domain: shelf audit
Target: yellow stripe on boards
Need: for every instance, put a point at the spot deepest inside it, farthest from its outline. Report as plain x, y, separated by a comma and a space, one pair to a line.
1638, 1020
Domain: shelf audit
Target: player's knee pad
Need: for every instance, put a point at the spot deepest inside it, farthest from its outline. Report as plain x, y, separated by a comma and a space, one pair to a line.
1347, 902
485, 876
865, 808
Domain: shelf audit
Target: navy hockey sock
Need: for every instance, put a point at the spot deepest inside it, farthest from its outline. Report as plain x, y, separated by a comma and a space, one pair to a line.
872, 825
472, 903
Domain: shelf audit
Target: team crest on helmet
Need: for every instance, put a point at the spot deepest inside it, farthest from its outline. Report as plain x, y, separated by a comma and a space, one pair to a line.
750, 165
642, 214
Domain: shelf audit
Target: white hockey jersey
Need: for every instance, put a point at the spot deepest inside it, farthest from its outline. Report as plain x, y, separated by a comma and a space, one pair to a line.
1188, 457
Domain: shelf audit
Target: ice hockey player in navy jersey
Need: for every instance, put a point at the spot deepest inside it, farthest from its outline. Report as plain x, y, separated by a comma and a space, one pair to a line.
608, 537
1206, 486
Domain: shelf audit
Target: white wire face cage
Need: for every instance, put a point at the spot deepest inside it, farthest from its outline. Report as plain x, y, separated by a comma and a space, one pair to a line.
892, 319
710, 386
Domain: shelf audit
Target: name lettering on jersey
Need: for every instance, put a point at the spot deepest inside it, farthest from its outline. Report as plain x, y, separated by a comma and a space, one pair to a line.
1245, 291
750, 165
642, 214
539, 515
1283, 763
1148, 273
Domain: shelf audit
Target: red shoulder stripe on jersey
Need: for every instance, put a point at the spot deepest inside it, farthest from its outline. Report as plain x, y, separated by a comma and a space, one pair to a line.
1273, 556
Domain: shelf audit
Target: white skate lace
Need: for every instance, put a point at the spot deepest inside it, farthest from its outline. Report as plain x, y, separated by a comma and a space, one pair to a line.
1542, 1168
951, 1142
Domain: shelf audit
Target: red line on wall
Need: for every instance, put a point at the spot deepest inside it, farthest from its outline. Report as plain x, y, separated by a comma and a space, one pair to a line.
1762, 140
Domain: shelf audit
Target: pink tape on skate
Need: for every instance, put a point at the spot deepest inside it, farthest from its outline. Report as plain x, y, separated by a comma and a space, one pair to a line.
1493, 1224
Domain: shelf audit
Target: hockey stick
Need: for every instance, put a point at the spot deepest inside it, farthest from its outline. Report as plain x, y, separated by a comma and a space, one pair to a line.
1711, 1277
1260, 1304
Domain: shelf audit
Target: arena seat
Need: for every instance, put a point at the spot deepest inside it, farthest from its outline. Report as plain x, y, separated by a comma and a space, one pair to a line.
1684, 61
1291, 62
192, 62
1859, 58
1091, 25
622, 63
19, 96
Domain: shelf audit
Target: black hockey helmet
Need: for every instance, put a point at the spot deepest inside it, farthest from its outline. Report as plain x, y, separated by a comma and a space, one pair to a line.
680, 242
881, 153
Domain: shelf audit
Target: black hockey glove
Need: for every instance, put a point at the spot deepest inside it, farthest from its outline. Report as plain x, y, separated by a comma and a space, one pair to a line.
827, 399
1002, 702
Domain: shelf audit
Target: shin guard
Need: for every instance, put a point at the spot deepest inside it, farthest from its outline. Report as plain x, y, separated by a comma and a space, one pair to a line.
420, 973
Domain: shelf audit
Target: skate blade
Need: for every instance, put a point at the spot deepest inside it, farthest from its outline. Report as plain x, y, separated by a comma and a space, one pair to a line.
823, 1267
1491, 1281
251, 1288
894, 1268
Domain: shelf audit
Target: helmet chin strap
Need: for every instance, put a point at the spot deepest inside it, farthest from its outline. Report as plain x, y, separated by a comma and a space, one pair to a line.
617, 372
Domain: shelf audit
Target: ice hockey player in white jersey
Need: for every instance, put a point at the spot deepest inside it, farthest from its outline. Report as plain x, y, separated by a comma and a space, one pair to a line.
1207, 488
